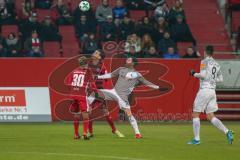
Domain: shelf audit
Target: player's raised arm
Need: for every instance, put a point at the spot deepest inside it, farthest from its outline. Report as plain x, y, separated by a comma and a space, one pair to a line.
109, 75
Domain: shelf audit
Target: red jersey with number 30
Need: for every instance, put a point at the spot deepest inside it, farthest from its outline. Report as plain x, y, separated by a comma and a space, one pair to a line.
80, 82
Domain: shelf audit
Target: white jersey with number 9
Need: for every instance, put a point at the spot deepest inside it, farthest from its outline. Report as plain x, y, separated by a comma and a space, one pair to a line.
212, 73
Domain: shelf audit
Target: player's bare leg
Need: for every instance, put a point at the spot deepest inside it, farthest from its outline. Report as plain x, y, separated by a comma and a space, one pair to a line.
76, 119
107, 115
133, 122
85, 116
108, 118
218, 124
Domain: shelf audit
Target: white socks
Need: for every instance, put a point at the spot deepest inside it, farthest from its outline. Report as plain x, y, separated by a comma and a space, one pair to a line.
217, 123
134, 124
196, 128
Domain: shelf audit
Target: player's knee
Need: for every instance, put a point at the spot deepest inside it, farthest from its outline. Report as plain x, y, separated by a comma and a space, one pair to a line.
128, 112
210, 116
85, 115
195, 115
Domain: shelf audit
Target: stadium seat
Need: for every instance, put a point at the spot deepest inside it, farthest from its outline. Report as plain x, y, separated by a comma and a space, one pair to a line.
70, 48
137, 15
6, 29
42, 13
51, 49
182, 46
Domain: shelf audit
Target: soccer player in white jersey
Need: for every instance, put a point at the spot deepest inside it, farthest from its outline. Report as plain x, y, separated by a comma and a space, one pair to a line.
128, 79
206, 101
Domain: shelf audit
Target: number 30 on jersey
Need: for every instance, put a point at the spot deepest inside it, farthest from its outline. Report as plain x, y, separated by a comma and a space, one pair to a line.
78, 80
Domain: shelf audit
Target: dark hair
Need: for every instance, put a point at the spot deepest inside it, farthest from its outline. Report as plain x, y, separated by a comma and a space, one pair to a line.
209, 50
102, 54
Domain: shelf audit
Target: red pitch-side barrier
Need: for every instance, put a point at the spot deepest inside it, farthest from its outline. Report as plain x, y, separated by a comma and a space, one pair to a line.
150, 105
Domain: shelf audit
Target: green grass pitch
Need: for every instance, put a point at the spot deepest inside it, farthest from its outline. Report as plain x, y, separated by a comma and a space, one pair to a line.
162, 141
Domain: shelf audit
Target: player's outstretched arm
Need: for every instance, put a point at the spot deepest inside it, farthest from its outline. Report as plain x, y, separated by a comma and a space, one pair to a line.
151, 85
109, 75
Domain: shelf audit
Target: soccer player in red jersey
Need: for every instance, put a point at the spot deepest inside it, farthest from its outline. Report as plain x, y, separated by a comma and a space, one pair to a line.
98, 68
81, 85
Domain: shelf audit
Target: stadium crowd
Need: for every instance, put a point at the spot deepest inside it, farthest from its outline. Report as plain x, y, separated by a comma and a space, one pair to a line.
155, 35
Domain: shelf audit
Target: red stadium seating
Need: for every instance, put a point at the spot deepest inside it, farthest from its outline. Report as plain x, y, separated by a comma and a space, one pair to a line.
182, 46
6, 29
71, 49
137, 15
42, 13
51, 49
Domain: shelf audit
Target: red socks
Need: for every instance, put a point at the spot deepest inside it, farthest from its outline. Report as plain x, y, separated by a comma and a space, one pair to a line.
110, 122
90, 127
76, 125
85, 126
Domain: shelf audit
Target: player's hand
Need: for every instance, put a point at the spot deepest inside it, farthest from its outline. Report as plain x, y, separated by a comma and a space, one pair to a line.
162, 89
192, 72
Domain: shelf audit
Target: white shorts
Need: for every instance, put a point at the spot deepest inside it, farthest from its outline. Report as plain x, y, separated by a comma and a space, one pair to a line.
205, 101
112, 95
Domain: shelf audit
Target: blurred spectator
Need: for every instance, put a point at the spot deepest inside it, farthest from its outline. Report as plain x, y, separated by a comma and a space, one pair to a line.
161, 27
131, 52
64, 13
180, 31
152, 4
146, 43
103, 11
10, 4
119, 11
171, 54
27, 8
90, 44
30, 25
7, 14
191, 53
83, 27
176, 10
43, 4
133, 40
151, 53
13, 45
162, 11
134, 4
108, 30
3, 51
89, 14
2, 40
49, 31
126, 28
165, 43
145, 27
33, 46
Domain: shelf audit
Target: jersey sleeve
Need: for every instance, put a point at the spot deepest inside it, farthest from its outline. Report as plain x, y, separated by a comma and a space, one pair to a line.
142, 80
106, 82
203, 70
68, 80
110, 75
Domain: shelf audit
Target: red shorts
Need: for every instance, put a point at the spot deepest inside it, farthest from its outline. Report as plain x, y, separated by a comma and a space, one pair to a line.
79, 104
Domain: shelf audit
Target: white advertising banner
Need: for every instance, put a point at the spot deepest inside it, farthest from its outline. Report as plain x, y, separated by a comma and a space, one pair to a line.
25, 104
